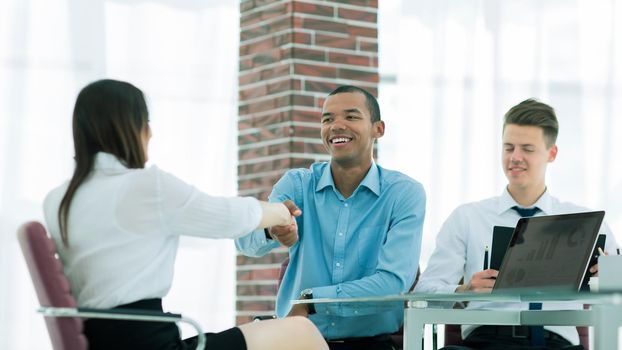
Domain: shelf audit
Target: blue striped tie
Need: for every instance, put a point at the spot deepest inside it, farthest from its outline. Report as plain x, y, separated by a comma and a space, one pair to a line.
536, 332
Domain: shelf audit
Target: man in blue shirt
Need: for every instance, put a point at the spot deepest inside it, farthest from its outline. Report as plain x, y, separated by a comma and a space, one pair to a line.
359, 233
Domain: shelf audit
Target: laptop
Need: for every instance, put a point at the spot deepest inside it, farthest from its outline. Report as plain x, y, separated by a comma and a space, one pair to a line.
549, 252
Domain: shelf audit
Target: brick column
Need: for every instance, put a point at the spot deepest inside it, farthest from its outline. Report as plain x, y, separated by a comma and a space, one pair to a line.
292, 53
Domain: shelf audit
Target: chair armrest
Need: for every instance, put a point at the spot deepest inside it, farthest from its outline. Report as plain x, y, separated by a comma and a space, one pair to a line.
124, 314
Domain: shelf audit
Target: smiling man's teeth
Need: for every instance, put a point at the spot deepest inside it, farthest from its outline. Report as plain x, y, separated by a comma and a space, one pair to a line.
340, 140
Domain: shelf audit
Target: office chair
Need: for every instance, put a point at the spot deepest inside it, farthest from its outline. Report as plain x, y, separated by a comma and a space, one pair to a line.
62, 317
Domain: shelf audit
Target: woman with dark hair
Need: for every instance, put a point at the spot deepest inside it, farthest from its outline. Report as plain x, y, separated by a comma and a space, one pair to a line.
117, 226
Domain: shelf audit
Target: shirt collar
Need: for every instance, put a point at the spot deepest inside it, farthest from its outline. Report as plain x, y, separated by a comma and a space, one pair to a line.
371, 180
108, 164
506, 202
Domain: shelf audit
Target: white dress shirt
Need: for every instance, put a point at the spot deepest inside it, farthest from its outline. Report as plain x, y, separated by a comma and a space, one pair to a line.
461, 242
124, 227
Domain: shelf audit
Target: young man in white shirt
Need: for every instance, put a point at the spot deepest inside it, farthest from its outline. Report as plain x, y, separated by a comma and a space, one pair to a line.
529, 134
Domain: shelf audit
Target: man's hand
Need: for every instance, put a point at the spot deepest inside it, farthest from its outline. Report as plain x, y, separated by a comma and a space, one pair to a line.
299, 310
481, 282
287, 235
594, 270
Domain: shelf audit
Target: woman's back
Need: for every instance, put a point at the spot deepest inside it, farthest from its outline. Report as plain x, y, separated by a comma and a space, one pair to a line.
124, 226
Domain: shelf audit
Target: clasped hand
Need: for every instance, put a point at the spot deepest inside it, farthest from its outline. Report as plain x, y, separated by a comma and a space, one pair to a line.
287, 235
481, 282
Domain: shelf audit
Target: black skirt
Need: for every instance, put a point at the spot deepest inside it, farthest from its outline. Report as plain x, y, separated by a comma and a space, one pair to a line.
137, 335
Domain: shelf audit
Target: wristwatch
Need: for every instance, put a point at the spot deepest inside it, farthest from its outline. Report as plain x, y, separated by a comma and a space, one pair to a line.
308, 294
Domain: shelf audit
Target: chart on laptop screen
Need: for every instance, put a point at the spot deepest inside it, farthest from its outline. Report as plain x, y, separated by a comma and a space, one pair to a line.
549, 252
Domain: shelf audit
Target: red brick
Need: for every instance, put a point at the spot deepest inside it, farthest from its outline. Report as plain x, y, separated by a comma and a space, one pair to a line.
302, 38
265, 44
260, 152
254, 92
368, 46
365, 3
325, 25
271, 258
307, 117
270, 27
358, 60
364, 16
256, 47
363, 31
308, 132
313, 9
246, 5
301, 163
308, 54
315, 70
262, 122
360, 75
302, 100
256, 305
264, 105
261, 274
319, 103
266, 166
249, 77
266, 14
319, 86
263, 290
334, 41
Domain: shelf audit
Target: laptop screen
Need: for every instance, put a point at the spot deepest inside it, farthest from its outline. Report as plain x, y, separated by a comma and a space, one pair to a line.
549, 252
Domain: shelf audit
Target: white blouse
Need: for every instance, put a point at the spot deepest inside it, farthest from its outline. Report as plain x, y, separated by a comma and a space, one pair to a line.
124, 227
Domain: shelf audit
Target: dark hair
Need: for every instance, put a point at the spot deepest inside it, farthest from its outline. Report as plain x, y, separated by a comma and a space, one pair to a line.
532, 112
370, 100
109, 116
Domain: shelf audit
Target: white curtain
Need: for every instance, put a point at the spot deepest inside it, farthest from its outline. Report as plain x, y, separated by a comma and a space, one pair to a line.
450, 70
183, 55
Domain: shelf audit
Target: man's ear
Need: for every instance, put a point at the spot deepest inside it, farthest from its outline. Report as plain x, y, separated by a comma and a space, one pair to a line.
378, 128
552, 153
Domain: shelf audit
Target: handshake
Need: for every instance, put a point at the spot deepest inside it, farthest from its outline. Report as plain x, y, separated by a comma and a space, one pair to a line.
286, 231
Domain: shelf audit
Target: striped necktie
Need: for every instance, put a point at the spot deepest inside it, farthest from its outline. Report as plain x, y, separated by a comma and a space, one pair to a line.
536, 332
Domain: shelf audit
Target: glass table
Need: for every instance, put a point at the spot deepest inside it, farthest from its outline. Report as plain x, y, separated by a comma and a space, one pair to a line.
605, 313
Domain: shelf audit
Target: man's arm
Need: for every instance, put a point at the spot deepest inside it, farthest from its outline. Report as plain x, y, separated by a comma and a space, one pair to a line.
261, 242
447, 264
397, 262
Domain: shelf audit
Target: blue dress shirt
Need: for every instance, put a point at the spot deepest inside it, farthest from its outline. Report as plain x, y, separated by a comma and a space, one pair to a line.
366, 245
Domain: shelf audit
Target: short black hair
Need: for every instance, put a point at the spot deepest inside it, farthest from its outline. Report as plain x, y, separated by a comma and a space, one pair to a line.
370, 100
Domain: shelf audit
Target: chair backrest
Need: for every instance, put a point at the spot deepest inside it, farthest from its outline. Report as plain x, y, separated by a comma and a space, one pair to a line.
51, 285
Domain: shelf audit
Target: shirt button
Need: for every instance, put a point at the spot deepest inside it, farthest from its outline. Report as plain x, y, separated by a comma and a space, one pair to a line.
338, 264
341, 233
345, 205
327, 312
332, 324
356, 311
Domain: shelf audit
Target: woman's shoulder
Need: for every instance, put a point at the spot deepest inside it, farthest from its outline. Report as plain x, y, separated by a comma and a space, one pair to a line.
54, 197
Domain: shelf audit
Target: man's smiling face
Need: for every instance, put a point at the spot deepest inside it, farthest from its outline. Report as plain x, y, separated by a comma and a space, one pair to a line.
347, 131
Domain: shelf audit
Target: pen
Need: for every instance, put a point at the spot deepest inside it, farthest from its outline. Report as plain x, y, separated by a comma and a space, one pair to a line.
600, 251
486, 258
